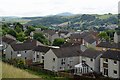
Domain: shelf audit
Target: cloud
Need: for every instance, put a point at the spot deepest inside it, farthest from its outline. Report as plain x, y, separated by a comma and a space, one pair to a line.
47, 7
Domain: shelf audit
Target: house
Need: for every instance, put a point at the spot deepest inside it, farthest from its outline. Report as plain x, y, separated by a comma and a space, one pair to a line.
89, 62
117, 37
21, 50
108, 46
51, 34
110, 64
62, 58
64, 34
7, 40
33, 41
85, 38
37, 30
39, 52
90, 41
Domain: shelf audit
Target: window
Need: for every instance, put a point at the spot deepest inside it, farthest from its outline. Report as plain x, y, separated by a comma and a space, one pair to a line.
70, 66
91, 59
106, 60
11, 52
53, 59
63, 61
115, 62
25, 58
18, 52
115, 72
105, 65
25, 51
37, 56
83, 61
60, 67
106, 72
42, 57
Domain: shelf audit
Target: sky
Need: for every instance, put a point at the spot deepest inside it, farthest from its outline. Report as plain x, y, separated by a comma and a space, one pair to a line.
27, 8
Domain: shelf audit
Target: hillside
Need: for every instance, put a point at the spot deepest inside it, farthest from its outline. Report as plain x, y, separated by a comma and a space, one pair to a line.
8, 71
79, 20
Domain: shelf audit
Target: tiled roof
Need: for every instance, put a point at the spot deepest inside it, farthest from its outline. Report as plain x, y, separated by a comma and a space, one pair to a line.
115, 55
8, 40
23, 46
90, 38
83, 35
91, 53
41, 48
50, 32
109, 45
67, 52
69, 44
63, 32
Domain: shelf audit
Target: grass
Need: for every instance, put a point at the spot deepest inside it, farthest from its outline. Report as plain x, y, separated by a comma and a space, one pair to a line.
9, 71
104, 16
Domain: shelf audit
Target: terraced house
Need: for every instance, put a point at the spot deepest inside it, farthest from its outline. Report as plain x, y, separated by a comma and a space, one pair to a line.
89, 62
39, 52
110, 64
21, 50
62, 58
88, 39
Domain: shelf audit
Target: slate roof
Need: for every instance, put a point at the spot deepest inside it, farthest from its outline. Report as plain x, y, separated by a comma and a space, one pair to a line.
33, 41
83, 35
23, 46
8, 40
109, 45
115, 55
63, 32
50, 32
90, 39
91, 53
75, 36
69, 44
41, 48
67, 52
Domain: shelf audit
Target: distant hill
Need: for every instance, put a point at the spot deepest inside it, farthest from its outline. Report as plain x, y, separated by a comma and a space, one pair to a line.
82, 20
68, 19
65, 14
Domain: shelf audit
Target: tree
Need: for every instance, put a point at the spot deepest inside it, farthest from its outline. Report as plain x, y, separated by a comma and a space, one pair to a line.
12, 32
40, 37
110, 33
103, 35
17, 24
58, 42
29, 30
18, 29
21, 36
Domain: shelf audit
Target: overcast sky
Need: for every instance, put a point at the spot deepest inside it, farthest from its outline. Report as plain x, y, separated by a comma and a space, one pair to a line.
50, 7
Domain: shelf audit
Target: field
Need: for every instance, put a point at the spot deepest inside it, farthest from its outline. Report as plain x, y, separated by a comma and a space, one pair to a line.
8, 71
